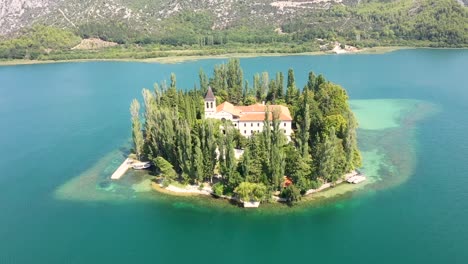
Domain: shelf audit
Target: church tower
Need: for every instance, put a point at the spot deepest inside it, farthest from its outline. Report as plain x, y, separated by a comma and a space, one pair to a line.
210, 104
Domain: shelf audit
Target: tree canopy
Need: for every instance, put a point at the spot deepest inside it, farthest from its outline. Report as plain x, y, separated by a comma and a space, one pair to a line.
322, 149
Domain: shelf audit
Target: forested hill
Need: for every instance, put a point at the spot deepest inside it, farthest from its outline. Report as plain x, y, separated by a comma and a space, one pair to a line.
435, 23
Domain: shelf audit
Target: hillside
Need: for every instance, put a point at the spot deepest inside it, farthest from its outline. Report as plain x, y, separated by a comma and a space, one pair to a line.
147, 15
277, 26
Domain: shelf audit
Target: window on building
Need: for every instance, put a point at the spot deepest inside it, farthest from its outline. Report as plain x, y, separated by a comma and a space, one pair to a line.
258, 124
245, 124
211, 104
245, 131
251, 124
284, 123
235, 125
207, 105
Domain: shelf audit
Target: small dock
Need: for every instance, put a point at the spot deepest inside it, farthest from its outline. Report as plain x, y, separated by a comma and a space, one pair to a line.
356, 179
121, 169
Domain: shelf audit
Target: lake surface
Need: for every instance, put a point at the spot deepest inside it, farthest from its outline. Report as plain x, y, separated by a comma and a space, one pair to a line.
65, 126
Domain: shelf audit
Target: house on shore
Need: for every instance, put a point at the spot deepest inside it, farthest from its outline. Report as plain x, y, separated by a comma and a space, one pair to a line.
247, 119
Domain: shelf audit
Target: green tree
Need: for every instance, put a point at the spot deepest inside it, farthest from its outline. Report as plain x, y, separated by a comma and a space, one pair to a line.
166, 169
280, 85
234, 80
204, 81
291, 90
292, 194
311, 81
137, 134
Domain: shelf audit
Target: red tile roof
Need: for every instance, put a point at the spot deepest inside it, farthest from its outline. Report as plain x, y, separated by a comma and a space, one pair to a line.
255, 112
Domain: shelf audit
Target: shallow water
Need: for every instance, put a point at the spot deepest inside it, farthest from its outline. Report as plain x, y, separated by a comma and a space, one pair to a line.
65, 127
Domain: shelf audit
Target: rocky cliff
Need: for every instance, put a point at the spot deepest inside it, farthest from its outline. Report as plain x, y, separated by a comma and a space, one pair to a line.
143, 14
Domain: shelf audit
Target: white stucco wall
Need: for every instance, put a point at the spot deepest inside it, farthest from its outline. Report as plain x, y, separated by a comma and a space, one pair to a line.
247, 128
210, 109
223, 114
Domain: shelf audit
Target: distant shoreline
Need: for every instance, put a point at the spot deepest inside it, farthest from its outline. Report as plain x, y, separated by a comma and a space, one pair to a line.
185, 58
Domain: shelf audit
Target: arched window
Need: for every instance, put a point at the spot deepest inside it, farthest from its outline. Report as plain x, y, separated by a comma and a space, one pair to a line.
207, 105
211, 104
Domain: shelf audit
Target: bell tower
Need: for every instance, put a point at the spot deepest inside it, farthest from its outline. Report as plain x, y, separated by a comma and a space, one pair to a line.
210, 103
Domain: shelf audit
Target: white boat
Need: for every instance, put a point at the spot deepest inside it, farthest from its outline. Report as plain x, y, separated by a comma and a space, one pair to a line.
251, 204
141, 165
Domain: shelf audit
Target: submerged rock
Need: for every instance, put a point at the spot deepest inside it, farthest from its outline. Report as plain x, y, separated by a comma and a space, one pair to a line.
105, 185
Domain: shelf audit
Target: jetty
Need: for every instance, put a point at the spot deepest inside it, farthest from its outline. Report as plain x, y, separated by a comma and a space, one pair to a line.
121, 169
356, 179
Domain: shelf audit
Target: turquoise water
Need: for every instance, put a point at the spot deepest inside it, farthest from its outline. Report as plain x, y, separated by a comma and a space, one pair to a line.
65, 126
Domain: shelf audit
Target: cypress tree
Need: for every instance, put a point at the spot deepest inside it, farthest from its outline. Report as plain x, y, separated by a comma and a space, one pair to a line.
197, 161
173, 81
311, 81
137, 134
280, 85
209, 144
264, 83
235, 80
184, 150
272, 90
166, 168
291, 89
256, 86
204, 82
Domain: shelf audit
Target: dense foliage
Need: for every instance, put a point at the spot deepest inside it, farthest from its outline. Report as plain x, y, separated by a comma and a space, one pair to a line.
323, 147
37, 41
433, 23
439, 23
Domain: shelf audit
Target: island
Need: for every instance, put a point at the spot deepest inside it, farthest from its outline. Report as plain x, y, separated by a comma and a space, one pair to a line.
251, 143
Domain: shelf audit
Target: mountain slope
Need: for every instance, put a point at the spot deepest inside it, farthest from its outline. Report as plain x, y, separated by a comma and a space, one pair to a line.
145, 14
48, 29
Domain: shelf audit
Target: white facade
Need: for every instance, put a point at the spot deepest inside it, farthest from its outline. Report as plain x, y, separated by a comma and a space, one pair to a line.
247, 119
210, 108
248, 128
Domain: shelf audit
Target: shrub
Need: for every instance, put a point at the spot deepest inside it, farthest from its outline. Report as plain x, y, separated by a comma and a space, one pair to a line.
218, 189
